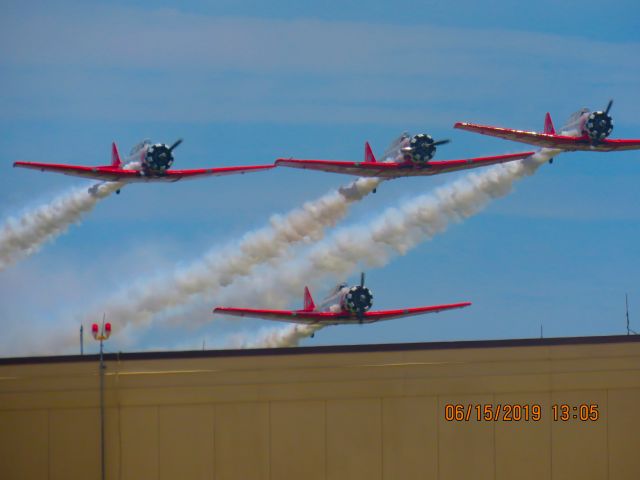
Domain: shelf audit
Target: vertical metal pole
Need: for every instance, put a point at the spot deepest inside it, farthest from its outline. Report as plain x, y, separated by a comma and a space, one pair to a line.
102, 466
626, 302
81, 340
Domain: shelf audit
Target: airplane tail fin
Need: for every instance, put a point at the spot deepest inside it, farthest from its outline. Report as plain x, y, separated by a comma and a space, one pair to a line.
308, 300
368, 153
115, 156
548, 125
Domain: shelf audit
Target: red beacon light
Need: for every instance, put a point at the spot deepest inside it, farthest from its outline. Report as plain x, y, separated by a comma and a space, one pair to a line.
101, 333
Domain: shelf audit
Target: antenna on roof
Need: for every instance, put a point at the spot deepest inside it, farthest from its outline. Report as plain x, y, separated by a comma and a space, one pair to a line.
626, 302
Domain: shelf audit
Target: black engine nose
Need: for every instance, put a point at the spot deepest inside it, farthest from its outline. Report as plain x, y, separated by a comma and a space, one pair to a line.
358, 300
598, 126
158, 158
422, 148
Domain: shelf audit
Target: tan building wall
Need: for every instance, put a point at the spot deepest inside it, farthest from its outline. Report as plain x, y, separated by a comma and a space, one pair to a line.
369, 412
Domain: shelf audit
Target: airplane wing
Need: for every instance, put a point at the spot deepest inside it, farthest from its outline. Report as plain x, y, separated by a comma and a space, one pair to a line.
396, 170
98, 173
332, 318
291, 316
175, 175
546, 140
376, 316
442, 166
109, 173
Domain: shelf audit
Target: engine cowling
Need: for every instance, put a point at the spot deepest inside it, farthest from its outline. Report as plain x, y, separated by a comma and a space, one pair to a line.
598, 126
422, 148
158, 158
357, 300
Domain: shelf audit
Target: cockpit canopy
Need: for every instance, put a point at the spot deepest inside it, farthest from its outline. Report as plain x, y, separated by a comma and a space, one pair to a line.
139, 146
339, 287
575, 120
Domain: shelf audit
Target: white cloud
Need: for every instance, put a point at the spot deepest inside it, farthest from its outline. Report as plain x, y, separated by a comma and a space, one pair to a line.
112, 63
167, 39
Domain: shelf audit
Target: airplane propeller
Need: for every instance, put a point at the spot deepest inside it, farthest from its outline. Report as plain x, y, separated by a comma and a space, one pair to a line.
175, 144
606, 111
360, 312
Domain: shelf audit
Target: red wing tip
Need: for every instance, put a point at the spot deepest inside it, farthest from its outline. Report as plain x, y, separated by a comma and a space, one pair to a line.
458, 305
21, 163
464, 124
467, 125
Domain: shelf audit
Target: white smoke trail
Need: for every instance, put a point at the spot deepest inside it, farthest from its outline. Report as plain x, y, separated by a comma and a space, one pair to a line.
221, 266
289, 336
24, 235
137, 305
394, 232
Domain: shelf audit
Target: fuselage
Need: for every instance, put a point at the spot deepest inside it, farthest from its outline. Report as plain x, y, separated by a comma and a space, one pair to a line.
593, 126
150, 159
352, 301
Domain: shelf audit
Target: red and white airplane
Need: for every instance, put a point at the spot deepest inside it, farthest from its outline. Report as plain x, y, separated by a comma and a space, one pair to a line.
406, 157
344, 305
147, 162
585, 130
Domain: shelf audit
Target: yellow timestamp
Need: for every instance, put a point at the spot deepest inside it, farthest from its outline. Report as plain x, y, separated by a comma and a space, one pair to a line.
492, 412
519, 412
585, 412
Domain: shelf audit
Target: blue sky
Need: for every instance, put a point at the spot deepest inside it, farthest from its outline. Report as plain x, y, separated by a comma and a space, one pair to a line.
247, 82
